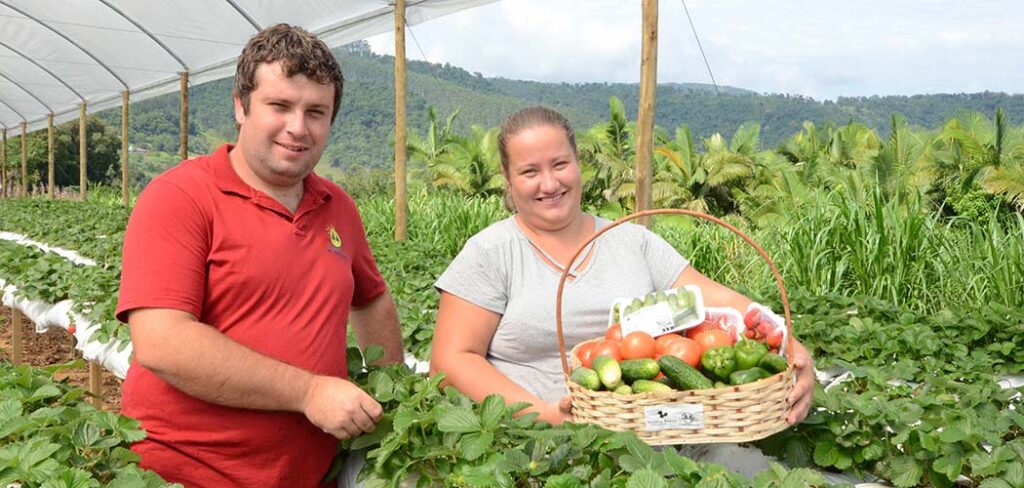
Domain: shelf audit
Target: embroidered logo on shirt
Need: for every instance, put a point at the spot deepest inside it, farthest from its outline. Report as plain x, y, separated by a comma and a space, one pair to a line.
335, 238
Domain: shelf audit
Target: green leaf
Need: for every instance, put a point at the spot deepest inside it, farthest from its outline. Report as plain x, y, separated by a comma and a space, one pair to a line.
515, 460
562, 481
492, 410
459, 420
475, 445
382, 429
873, 451
952, 434
72, 478
646, 479
949, 465
86, 435
9, 409
631, 464
826, 454
1015, 474
906, 471
382, 387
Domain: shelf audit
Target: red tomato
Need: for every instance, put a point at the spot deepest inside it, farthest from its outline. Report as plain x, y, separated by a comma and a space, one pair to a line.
662, 341
608, 348
614, 333
686, 349
585, 353
713, 338
637, 345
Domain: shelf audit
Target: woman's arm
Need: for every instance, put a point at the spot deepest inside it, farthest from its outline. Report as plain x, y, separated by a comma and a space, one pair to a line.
715, 294
459, 350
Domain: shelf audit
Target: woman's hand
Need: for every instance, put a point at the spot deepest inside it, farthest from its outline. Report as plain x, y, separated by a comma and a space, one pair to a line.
800, 398
555, 413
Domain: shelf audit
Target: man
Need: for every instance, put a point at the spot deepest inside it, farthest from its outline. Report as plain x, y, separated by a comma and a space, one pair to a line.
239, 271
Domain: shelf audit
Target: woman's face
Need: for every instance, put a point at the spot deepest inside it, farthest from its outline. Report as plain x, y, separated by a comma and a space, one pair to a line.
544, 177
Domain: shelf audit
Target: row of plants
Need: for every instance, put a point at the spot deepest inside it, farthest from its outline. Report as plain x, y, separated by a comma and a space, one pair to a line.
94, 228
52, 437
45, 277
438, 437
948, 327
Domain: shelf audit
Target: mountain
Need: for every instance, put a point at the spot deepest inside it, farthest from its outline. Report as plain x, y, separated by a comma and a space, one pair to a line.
363, 132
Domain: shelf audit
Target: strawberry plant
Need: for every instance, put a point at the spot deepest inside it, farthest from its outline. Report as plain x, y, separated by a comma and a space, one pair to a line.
445, 439
927, 434
51, 437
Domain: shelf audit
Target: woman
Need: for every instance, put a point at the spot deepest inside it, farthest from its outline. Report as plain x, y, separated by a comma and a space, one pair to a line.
496, 319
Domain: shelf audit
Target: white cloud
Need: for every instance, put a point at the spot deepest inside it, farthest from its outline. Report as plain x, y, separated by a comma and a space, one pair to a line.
817, 48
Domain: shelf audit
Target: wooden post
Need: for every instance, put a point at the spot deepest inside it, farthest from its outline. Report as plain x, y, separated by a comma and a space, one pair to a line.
83, 179
15, 335
183, 150
96, 384
401, 196
645, 113
24, 159
3, 165
125, 198
50, 178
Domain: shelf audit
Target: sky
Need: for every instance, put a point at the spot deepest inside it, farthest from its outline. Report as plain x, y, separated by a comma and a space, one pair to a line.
816, 48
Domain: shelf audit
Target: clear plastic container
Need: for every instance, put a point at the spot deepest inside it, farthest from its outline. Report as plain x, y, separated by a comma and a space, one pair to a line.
660, 312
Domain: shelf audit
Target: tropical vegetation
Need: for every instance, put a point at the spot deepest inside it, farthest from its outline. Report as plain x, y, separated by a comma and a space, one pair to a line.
902, 252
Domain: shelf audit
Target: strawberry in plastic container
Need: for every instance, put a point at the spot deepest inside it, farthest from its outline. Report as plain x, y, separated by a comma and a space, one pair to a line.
763, 325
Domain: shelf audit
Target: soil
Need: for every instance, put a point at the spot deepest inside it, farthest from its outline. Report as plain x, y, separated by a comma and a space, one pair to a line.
56, 346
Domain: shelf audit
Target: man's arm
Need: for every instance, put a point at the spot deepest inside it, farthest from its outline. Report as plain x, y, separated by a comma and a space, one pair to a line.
200, 361
377, 324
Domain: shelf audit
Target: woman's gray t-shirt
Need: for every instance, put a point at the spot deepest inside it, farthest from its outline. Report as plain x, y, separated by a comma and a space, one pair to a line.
499, 270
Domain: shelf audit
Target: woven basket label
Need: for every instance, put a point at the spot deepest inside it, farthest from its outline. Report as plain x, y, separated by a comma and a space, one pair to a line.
675, 416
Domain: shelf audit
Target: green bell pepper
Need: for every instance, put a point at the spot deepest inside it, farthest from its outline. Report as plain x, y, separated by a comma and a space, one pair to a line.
719, 362
750, 375
748, 353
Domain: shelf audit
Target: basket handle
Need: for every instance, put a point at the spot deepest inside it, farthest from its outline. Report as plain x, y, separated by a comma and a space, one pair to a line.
692, 213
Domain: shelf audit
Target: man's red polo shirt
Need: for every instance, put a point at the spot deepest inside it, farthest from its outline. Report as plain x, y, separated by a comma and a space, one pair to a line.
203, 241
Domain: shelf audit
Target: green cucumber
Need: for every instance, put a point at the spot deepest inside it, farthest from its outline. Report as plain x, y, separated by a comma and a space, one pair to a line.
624, 389
608, 371
667, 382
639, 369
773, 363
586, 378
648, 386
683, 375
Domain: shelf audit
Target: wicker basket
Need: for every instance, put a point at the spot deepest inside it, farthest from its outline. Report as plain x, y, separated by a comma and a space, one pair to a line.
739, 413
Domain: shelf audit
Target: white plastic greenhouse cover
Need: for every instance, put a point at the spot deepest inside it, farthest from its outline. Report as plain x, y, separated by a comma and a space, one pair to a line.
55, 54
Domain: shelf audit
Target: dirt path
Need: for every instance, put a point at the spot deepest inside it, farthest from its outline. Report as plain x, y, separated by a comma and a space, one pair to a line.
55, 347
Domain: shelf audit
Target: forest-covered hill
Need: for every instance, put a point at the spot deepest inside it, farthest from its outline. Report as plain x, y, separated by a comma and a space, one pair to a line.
363, 133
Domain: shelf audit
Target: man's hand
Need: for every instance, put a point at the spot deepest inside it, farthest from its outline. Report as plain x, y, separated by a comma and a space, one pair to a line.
340, 408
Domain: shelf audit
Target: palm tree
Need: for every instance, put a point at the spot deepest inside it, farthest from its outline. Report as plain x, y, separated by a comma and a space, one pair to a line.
426, 151
470, 164
981, 155
706, 181
608, 161
902, 167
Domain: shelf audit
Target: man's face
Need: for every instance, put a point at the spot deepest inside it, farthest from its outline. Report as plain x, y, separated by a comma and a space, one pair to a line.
286, 129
